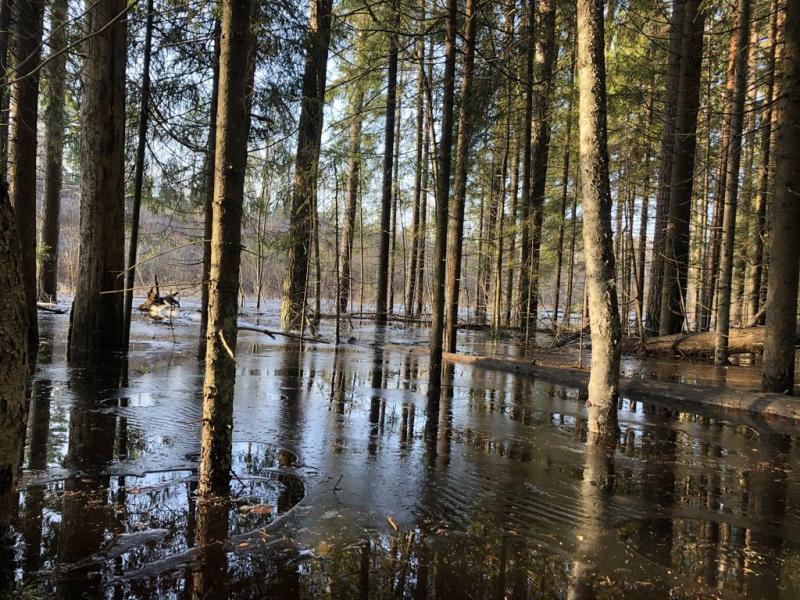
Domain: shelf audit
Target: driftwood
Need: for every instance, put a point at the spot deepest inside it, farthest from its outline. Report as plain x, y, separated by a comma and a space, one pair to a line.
51, 308
747, 340
272, 334
666, 393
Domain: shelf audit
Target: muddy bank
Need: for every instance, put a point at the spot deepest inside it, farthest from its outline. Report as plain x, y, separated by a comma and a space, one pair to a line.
670, 394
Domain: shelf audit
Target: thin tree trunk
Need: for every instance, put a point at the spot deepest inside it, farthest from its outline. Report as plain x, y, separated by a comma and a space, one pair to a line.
768, 131
732, 182
26, 49
96, 315
304, 186
676, 35
208, 192
597, 236
386, 189
780, 340
455, 234
233, 124
572, 239
395, 203
442, 199
420, 286
138, 177
676, 241
54, 89
5, 38
512, 247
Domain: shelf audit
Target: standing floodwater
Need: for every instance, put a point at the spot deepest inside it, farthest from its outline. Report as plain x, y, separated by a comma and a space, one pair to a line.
348, 482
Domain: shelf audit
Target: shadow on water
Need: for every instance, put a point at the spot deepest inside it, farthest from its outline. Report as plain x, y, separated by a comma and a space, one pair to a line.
353, 478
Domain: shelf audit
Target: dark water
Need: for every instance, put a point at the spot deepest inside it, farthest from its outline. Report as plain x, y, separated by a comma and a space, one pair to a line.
348, 482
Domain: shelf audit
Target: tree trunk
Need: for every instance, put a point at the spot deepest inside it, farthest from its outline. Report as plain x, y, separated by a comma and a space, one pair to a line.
676, 241
304, 187
677, 28
138, 177
572, 239
5, 38
780, 341
395, 201
54, 88
597, 236
455, 235
543, 74
97, 316
768, 131
442, 198
416, 240
208, 192
742, 32
233, 124
512, 244
423, 226
386, 189
13, 363
26, 49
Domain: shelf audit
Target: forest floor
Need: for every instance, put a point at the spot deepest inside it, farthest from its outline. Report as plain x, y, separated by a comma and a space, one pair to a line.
349, 480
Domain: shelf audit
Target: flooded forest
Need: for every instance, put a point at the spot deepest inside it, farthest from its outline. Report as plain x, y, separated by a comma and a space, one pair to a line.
401, 299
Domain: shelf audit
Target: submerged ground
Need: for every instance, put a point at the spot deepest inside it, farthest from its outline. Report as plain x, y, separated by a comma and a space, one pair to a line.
348, 483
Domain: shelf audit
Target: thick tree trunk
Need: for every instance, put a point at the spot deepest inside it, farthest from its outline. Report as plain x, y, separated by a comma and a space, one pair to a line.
97, 316
208, 192
676, 240
304, 187
677, 28
543, 75
732, 182
455, 235
442, 199
138, 176
780, 340
233, 124
26, 49
386, 189
13, 363
597, 236
54, 88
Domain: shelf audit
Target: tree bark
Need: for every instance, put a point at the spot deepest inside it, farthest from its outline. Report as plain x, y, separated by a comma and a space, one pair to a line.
442, 199
732, 182
677, 23
304, 187
97, 310
780, 341
455, 235
54, 88
13, 363
26, 48
676, 240
597, 236
138, 176
386, 188
5, 38
233, 125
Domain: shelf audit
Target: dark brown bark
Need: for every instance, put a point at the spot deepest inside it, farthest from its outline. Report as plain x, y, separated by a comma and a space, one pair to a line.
597, 236
780, 341
455, 234
26, 49
677, 22
676, 240
54, 88
304, 186
386, 189
13, 362
540, 148
233, 124
732, 181
96, 315
208, 191
442, 199
5, 38
138, 176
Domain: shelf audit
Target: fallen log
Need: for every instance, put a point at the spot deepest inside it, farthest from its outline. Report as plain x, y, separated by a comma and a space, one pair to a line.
666, 393
51, 308
746, 340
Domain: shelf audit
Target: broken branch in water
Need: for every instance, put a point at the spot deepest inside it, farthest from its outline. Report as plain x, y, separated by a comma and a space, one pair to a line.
272, 334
